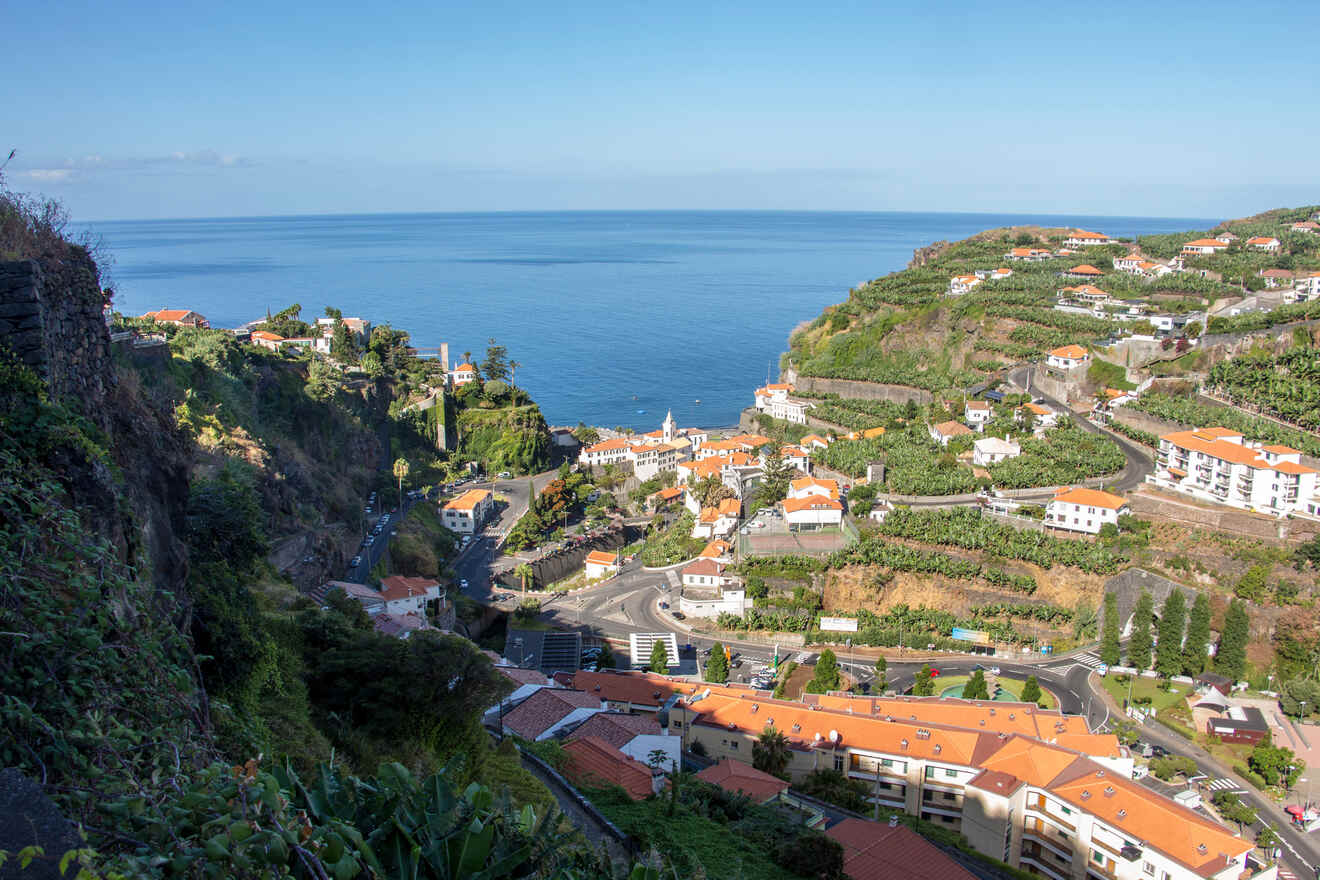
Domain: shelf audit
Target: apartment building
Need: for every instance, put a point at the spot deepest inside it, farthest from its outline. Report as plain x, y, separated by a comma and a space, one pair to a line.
777, 401
1216, 464
468, 512
1010, 777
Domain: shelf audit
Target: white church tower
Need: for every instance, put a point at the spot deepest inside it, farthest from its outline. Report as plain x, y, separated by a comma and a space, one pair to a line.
669, 427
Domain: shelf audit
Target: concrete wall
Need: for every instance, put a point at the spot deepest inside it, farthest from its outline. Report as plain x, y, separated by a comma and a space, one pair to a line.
1128, 586
1146, 503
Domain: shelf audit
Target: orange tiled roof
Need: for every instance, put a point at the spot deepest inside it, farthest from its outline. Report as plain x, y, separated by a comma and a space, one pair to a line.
1085, 269
1074, 352
165, 315
468, 500
400, 587
952, 429
811, 502
465, 368
872, 851
830, 486
737, 777
1206, 242
602, 557
609, 445
1261, 240
595, 763
715, 549
1091, 498
267, 335
1035, 409
1279, 449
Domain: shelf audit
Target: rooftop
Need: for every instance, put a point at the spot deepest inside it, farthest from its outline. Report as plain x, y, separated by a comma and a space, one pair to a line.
872, 851
468, 500
737, 777
594, 763
1090, 498
546, 708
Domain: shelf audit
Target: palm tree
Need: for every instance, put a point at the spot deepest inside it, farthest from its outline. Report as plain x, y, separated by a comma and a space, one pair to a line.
400, 471
524, 573
513, 371
770, 752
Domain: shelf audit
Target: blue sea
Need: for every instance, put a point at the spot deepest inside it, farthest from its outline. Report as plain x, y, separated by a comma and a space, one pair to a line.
615, 317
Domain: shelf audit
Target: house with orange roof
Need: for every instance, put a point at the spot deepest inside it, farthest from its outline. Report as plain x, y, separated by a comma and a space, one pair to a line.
777, 401
600, 564
718, 550
811, 512
737, 777
651, 459
605, 452
797, 457
266, 339
1204, 247
1082, 238
665, 497
1028, 254
590, 762
1001, 273
876, 851
463, 374
814, 442
946, 431
1266, 243
1219, 465
1067, 357
467, 513
709, 590
718, 521
1083, 293
1084, 271
804, 487
179, 318
1084, 510
1037, 415
1309, 227
1276, 277
961, 284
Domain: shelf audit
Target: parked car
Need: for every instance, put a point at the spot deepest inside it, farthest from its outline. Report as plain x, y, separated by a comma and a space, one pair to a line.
355, 562
679, 615
934, 673
463, 584
505, 475
664, 604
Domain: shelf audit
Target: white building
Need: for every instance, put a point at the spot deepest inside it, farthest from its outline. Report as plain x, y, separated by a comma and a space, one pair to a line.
648, 460
797, 457
1037, 415
707, 573
776, 400
1305, 289
1082, 238
992, 450
976, 413
1028, 254
1265, 243
961, 284
811, 512
601, 563
605, 452
463, 374
946, 431
1067, 357
1204, 247
1215, 464
805, 487
716, 522
467, 513
1001, 273
1084, 510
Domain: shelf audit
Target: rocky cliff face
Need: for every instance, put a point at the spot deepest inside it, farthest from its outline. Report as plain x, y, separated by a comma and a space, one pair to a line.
51, 319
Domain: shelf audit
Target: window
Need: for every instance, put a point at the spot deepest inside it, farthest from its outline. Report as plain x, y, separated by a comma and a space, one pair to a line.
952, 774
1067, 811
838, 762
886, 762
1098, 857
733, 744
1148, 869
950, 796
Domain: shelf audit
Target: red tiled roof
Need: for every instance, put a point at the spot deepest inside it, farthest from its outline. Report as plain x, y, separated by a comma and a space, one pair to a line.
872, 851
704, 566
735, 776
545, 708
1091, 498
810, 502
952, 429
602, 557
617, 728
1085, 269
468, 500
518, 675
595, 763
624, 687
399, 587
1075, 352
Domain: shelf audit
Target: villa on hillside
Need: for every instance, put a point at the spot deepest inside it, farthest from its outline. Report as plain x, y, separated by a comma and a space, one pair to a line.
463, 374
777, 402
1081, 238
179, 318
1067, 357
1028, 254
467, 513
1204, 247
1265, 243
992, 450
961, 284
1084, 510
1084, 271
946, 431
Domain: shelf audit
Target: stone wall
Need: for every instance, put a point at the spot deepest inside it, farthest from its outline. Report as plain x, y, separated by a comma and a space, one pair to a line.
51, 318
1128, 586
857, 389
1145, 502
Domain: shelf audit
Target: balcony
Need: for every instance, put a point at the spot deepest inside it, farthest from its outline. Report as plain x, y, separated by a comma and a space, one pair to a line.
1038, 864
1048, 819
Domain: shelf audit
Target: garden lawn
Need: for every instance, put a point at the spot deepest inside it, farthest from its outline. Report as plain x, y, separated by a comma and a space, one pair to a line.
1144, 687
1012, 685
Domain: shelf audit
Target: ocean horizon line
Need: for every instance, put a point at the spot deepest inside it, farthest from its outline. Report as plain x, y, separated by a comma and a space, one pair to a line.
548, 212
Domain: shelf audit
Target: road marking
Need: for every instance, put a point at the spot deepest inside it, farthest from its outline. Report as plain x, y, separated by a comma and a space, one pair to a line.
1089, 660
1223, 783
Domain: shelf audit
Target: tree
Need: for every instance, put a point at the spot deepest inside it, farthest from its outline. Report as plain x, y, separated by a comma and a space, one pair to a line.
711, 490
513, 370
321, 384
343, 343
1083, 619
606, 659
659, 658
1110, 651
1300, 697
776, 475
770, 752
1252, 585
924, 685
827, 673
524, 573
1267, 837
495, 368
812, 855
1198, 636
1140, 643
717, 667
1275, 764
881, 670
372, 365
1230, 806
1173, 618
976, 688
1031, 690
1231, 658
401, 469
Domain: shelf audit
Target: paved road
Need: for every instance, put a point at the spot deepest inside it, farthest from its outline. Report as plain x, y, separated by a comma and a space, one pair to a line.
474, 564
1138, 465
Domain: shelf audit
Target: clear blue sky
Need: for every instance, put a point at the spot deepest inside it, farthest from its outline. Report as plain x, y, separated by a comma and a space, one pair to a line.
134, 109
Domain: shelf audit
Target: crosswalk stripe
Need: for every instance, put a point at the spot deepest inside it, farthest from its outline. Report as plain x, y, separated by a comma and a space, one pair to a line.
1221, 784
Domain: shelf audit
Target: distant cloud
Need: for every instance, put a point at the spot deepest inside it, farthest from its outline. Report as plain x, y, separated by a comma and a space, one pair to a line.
177, 162
47, 175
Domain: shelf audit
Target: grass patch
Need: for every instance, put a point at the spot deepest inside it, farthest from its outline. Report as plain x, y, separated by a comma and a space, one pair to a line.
1143, 689
1012, 685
